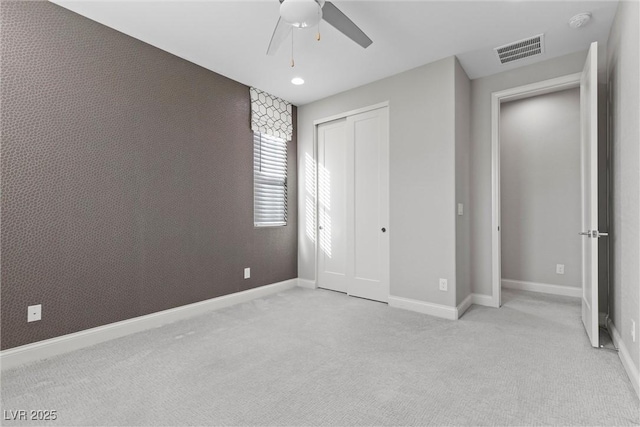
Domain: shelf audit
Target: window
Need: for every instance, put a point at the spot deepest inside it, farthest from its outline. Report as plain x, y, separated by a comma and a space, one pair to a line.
269, 180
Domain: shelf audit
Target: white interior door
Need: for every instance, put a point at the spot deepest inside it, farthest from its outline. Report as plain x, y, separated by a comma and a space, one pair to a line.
353, 205
332, 205
369, 242
589, 159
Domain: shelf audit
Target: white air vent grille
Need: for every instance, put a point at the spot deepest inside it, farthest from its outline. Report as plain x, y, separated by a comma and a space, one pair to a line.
521, 49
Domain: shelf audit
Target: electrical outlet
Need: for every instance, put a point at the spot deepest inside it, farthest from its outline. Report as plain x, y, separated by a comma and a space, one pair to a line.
34, 313
633, 330
559, 268
247, 273
443, 284
460, 209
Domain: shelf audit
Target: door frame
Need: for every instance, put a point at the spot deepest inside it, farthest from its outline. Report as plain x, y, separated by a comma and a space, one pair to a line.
520, 92
316, 207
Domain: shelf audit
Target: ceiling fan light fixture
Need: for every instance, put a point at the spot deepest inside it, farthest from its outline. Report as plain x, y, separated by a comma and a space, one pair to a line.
297, 81
301, 13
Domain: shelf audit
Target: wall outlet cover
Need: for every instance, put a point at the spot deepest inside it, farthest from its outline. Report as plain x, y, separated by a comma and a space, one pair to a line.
247, 273
34, 313
460, 209
559, 268
633, 330
443, 284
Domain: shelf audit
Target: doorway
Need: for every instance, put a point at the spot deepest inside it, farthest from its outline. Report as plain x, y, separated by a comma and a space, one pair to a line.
353, 203
540, 193
588, 226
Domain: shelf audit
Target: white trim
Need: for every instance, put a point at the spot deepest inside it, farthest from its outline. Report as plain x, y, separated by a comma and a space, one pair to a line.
52, 347
496, 249
464, 305
625, 358
512, 94
438, 310
307, 284
539, 88
481, 299
350, 113
544, 288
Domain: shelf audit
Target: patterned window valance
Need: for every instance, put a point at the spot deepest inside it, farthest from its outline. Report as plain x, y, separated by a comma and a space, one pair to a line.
270, 115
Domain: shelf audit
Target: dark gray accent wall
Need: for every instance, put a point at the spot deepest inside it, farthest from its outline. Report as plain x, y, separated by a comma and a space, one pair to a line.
127, 179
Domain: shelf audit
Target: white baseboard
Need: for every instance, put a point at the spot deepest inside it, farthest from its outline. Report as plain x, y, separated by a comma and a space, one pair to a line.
568, 291
625, 357
306, 283
464, 305
43, 349
481, 299
429, 308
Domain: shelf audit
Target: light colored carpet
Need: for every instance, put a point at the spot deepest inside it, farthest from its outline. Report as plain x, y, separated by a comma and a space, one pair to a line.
307, 357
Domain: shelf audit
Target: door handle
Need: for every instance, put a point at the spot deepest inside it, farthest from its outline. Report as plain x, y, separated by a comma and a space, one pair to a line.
384, 229
594, 234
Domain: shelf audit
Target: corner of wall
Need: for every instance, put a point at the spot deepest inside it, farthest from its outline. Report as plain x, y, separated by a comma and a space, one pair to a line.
462, 111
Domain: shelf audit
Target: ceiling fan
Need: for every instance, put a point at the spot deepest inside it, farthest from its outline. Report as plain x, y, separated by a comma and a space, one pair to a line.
307, 13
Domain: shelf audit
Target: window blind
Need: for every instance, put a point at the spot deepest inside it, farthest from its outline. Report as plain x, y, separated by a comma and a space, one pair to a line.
269, 180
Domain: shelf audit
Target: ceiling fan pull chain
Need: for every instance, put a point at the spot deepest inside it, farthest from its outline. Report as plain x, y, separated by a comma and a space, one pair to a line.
318, 35
293, 64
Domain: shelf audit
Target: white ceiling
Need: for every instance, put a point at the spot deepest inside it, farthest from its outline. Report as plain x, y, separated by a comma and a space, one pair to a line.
231, 37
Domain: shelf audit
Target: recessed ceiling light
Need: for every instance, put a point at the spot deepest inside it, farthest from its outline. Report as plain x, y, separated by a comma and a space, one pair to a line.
297, 81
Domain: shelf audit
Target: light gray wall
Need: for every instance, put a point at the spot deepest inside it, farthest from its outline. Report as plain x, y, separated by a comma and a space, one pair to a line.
463, 148
540, 188
624, 69
481, 90
422, 177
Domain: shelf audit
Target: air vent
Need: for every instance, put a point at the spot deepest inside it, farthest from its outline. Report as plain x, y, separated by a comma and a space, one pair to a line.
521, 49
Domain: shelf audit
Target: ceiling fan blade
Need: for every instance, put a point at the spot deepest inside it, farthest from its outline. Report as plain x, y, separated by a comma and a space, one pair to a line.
342, 23
280, 33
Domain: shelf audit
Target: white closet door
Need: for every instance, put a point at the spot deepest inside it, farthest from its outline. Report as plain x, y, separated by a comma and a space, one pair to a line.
368, 210
353, 205
332, 209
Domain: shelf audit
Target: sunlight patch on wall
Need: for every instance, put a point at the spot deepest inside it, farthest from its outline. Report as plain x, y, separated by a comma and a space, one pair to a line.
324, 207
310, 197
